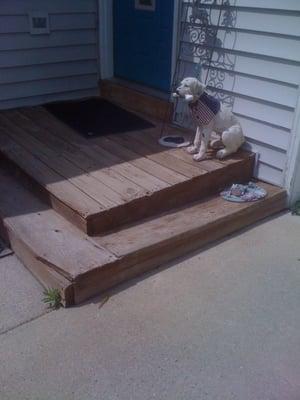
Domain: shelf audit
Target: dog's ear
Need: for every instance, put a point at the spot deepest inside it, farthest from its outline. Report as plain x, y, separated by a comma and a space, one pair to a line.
197, 87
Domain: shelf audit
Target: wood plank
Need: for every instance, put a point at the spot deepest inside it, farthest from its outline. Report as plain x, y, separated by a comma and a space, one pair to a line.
87, 184
125, 189
114, 163
67, 170
159, 154
97, 161
211, 163
208, 164
46, 177
112, 144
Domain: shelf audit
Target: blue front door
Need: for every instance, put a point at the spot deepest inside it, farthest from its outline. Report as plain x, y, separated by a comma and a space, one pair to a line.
143, 42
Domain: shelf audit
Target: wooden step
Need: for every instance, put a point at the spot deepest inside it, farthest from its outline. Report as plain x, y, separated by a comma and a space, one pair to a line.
103, 183
62, 256
136, 100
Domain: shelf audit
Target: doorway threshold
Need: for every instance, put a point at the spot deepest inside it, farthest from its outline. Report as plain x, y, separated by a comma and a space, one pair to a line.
142, 88
138, 98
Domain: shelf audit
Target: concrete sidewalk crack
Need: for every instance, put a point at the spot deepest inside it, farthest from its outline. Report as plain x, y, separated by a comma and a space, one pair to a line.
24, 322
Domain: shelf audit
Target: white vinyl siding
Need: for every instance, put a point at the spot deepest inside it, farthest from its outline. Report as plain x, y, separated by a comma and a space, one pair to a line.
35, 69
264, 75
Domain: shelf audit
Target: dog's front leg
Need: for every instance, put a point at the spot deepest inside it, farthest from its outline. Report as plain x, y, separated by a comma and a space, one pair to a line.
196, 145
206, 132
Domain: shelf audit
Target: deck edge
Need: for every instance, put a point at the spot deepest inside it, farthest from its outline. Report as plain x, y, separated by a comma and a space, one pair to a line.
134, 265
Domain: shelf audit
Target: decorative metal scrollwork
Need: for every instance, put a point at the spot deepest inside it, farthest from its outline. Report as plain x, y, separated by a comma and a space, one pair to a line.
204, 31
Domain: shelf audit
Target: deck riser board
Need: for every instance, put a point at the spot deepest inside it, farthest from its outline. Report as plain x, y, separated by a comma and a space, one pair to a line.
133, 265
135, 100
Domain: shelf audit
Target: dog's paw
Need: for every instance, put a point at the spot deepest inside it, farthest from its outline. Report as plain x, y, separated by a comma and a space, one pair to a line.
221, 154
192, 150
199, 157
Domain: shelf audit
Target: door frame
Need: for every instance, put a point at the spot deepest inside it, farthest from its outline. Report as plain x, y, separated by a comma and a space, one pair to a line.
105, 38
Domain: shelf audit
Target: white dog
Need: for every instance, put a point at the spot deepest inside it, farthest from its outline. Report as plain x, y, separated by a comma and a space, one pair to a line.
210, 116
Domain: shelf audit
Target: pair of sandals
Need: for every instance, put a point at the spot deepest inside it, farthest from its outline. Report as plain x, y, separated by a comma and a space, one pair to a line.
244, 193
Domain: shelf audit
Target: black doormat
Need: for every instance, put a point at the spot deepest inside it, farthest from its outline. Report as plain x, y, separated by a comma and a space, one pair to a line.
96, 117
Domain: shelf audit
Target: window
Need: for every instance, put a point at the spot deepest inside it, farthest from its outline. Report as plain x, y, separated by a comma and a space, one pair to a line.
147, 5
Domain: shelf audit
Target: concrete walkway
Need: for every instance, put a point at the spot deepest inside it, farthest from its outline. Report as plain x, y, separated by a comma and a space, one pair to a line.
20, 295
222, 324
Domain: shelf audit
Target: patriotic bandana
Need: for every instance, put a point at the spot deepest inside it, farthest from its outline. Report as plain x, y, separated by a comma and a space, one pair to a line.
204, 109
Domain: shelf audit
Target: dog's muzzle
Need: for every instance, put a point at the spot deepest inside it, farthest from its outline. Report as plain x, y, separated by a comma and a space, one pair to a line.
176, 94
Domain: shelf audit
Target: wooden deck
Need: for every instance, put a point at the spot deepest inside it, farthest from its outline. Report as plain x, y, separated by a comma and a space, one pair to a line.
99, 184
62, 256
86, 214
